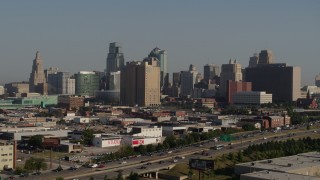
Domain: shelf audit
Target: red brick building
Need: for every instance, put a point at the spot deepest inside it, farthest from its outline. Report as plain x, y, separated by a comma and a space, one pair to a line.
236, 86
270, 121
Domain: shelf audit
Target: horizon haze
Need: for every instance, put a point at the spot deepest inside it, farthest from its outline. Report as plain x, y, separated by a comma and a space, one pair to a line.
75, 35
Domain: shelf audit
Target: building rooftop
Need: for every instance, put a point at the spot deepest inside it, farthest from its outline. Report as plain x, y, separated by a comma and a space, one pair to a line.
277, 175
286, 164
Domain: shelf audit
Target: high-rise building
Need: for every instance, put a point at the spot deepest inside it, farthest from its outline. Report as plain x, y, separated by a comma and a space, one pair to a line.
231, 71
61, 83
71, 86
280, 80
2, 90
254, 60
115, 58
233, 87
140, 83
161, 55
17, 88
176, 78
187, 80
37, 80
114, 80
317, 80
265, 57
50, 70
87, 83
210, 71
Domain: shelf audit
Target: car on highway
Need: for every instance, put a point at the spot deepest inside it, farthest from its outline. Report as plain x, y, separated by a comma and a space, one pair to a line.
123, 162
143, 167
93, 165
36, 173
74, 167
24, 175
101, 166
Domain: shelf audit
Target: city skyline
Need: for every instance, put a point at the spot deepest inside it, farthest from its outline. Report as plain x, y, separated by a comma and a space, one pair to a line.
75, 35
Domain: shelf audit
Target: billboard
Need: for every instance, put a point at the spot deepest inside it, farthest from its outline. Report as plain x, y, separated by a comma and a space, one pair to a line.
113, 142
201, 164
138, 142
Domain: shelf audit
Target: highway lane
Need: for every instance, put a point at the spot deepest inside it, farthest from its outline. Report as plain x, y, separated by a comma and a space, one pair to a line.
189, 152
236, 146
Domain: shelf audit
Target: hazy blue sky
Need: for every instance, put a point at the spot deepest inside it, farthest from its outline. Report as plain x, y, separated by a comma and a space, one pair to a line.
74, 35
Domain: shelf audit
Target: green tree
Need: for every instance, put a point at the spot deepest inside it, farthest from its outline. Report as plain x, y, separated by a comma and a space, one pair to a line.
105, 177
248, 127
142, 149
87, 136
35, 164
190, 174
151, 148
91, 178
171, 141
240, 156
19, 170
232, 157
36, 141
120, 177
59, 178
133, 176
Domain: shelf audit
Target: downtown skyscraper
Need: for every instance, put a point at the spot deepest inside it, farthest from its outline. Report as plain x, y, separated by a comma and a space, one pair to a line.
115, 58
162, 58
140, 83
37, 80
231, 71
210, 71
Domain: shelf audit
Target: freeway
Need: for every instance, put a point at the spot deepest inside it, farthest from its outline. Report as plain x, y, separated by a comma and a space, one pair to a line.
152, 163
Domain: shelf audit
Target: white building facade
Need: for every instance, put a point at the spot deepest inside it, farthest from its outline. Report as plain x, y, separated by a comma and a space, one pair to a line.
147, 131
104, 140
6, 156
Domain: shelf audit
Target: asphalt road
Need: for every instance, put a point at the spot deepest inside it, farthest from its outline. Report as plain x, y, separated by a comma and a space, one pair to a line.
135, 164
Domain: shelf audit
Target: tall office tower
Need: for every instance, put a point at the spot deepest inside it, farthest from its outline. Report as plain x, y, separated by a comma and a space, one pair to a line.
279, 79
265, 57
210, 71
115, 58
71, 86
50, 70
176, 78
2, 90
254, 60
140, 83
187, 80
60, 83
231, 71
37, 80
114, 80
317, 80
87, 83
161, 55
